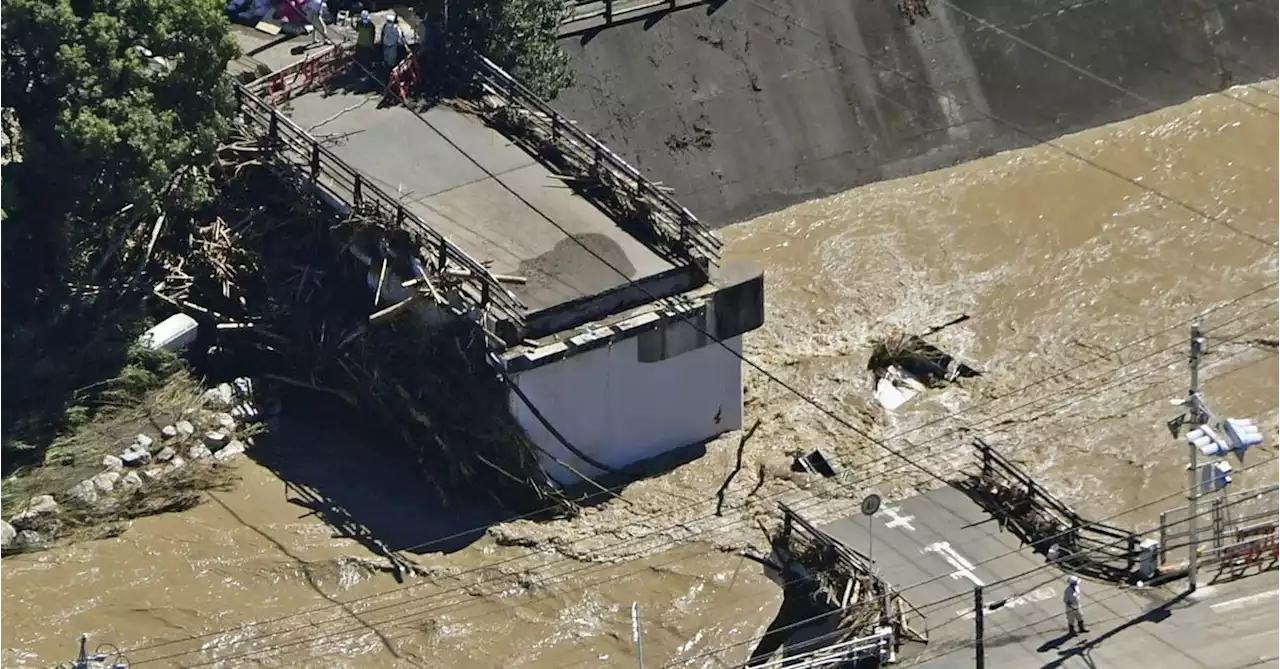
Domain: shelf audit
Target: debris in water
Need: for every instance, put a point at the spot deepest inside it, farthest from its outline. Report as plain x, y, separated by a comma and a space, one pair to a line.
906, 366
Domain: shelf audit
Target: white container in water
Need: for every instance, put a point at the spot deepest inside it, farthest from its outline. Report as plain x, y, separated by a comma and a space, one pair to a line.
172, 334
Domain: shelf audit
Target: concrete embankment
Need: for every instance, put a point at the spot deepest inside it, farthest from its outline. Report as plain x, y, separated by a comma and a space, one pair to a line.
745, 107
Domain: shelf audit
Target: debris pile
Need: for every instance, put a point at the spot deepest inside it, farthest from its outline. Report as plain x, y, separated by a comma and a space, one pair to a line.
280, 280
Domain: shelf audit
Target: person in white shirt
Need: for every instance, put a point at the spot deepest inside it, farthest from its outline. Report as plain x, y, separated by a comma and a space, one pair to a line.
315, 14
391, 39
1071, 598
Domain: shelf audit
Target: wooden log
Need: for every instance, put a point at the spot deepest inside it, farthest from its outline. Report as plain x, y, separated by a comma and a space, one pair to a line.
393, 309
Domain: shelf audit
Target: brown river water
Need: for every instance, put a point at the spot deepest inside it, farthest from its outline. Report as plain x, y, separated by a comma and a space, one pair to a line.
1061, 267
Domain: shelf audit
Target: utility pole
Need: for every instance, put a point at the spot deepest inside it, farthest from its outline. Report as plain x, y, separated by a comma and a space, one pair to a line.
635, 632
978, 642
1198, 417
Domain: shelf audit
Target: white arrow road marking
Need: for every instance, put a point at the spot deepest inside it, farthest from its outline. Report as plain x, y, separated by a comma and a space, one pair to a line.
1040, 595
898, 520
964, 568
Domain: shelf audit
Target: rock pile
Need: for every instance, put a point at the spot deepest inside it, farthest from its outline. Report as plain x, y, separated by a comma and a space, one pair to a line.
213, 432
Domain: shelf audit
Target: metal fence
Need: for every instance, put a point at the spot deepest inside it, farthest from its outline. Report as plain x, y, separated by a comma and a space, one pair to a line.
670, 222
604, 13
1235, 528
1042, 520
477, 289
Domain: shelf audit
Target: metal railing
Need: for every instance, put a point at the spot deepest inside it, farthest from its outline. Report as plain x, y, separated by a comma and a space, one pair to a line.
1237, 522
670, 221
610, 12
1041, 519
476, 289
301, 76
878, 645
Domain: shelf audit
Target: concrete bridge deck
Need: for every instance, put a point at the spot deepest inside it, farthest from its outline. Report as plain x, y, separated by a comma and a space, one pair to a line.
947, 542
487, 195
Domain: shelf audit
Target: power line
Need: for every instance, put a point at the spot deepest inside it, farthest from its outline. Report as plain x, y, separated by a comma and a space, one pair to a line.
436, 610
1020, 130
1008, 579
779, 381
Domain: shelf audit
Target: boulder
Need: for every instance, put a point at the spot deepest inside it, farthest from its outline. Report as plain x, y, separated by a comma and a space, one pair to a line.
185, 428
112, 462
233, 448
176, 463
29, 539
215, 439
219, 397
135, 456
106, 481
169, 431
144, 441
165, 454
224, 422
153, 473
84, 492
7, 534
199, 452
130, 481
39, 509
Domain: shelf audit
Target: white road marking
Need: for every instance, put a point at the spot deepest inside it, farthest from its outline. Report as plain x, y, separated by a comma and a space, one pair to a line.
964, 568
898, 521
1039, 595
1242, 601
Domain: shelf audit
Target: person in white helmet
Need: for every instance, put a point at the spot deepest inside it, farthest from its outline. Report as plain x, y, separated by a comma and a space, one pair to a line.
1071, 598
391, 40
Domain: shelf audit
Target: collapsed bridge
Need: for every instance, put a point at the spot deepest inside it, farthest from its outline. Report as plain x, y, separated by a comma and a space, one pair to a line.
549, 264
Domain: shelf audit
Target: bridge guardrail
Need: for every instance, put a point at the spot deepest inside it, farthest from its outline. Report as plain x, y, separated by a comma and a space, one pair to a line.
670, 220
1041, 519
478, 288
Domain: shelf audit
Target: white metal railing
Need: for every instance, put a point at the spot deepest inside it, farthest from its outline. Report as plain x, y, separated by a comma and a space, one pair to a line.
878, 645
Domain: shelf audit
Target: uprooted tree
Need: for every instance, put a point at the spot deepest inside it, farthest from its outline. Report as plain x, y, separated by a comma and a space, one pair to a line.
118, 106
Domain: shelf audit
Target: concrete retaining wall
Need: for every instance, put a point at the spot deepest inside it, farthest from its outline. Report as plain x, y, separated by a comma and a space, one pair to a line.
749, 106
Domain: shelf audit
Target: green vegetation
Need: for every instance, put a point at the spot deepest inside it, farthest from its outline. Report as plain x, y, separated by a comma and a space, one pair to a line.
521, 36
113, 111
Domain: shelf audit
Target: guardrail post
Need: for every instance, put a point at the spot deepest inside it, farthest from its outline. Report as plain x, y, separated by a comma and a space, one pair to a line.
444, 255
400, 215
555, 127
1218, 524
597, 159
608, 12
1131, 558
356, 189
484, 293
1164, 536
273, 127
315, 161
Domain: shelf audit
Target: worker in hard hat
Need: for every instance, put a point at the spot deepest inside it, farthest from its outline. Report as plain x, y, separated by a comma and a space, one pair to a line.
391, 39
1071, 598
366, 37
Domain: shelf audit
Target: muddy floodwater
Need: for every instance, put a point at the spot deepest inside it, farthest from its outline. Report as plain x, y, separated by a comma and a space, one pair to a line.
1078, 286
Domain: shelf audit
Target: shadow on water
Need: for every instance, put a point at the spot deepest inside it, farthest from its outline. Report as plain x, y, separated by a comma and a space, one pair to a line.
336, 465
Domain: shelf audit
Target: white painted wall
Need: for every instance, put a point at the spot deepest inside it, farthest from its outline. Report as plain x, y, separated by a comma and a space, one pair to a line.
619, 410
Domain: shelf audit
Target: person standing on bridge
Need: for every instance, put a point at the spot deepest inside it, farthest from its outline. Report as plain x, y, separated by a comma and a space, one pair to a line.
315, 15
391, 39
1071, 598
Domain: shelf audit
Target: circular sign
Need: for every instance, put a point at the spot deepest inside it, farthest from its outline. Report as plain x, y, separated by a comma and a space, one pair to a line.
870, 504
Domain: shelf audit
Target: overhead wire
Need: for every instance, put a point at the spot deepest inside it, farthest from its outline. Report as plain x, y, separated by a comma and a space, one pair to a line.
963, 443
986, 586
1182, 204
751, 363
1002, 397
454, 607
